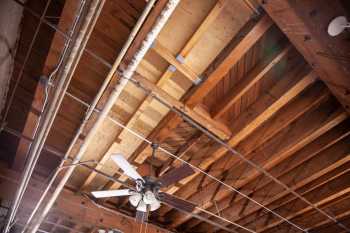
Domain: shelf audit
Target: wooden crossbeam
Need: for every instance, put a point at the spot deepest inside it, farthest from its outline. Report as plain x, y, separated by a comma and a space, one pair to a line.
207, 22
169, 57
274, 152
212, 125
325, 226
305, 25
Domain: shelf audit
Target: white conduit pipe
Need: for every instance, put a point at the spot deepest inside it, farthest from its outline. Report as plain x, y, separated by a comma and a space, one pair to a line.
52, 110
92, 107
146, 44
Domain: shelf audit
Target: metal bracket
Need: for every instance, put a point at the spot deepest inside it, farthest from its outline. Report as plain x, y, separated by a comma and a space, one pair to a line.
172, 68
198, 80
180, 58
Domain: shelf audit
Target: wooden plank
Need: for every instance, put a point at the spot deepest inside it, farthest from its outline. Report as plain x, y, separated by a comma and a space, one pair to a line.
235, 55
168, 74
305, 25
38, 101
303, 103
316, 189
170, 58
212, 125
213, 14
251, 78
171, 120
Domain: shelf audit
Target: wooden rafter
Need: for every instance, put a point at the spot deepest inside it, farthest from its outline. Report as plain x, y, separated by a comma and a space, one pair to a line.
313, 97
266, 107
305, 25
227, 60
212, 125
38, 101
167, 74
252, 77
233, 57
273, 153
290, 172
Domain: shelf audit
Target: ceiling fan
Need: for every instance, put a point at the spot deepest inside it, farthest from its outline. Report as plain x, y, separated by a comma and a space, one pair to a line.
146, 196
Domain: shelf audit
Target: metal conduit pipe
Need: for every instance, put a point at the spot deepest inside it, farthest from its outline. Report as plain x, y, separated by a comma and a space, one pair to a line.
75, 52
93, 105
146, 44
29, 164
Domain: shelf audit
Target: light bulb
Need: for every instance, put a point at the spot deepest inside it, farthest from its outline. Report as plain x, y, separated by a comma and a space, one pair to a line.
155, 205
142, 207
149, 197
135, 199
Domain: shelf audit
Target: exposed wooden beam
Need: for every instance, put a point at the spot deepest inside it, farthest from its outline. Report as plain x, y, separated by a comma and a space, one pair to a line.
296, 171
207, 22
328, 225
233, 57
251, 78
305, 24
303, 103
212, 125
170, 58
286, 143
171, 120
38, 101
326, 201
260, 112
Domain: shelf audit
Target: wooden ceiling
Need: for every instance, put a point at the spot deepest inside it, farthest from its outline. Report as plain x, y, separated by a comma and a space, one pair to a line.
262, 76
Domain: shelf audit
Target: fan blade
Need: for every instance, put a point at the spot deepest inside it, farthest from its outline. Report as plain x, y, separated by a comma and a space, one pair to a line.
176, 175
126, 166
112, 193
176, 202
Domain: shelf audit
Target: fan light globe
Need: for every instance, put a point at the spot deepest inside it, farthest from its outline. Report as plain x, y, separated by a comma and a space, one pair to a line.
155, 205
149, 198
135, 199
142, 207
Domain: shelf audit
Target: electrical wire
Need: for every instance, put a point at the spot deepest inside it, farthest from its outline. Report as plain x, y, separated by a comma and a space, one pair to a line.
107, 64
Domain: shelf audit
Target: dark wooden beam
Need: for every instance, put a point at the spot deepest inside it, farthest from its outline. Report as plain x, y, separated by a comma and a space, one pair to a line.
305, 24
79, 208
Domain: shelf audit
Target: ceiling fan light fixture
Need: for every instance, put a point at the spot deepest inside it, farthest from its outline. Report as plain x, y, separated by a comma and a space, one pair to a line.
149, 198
